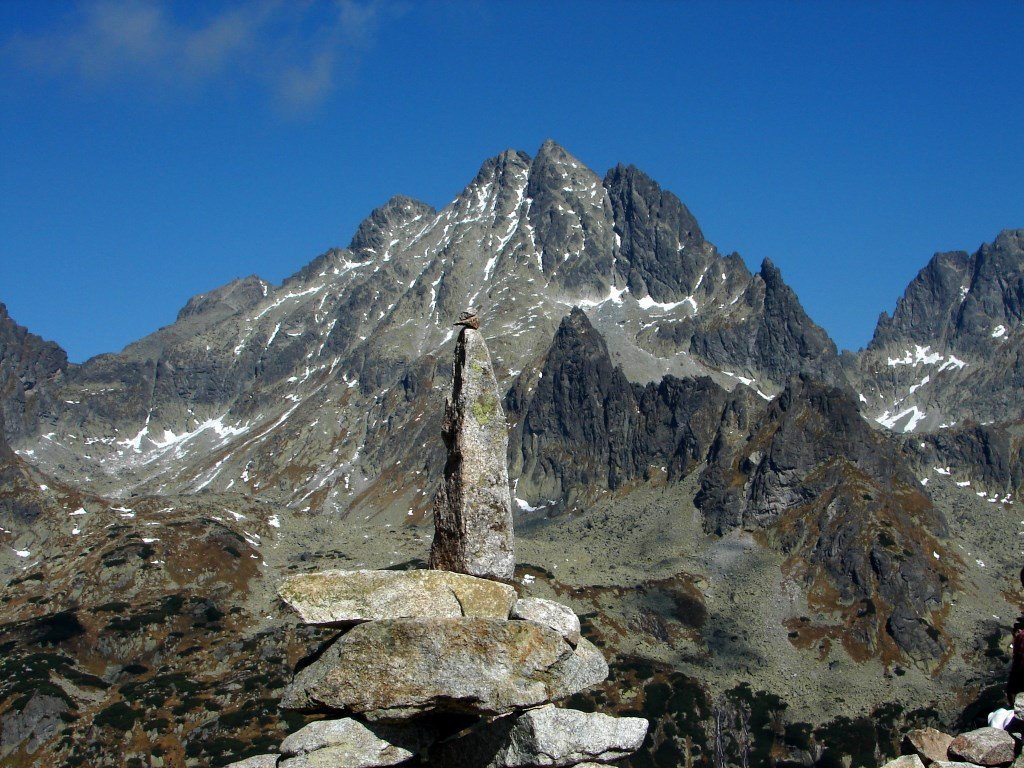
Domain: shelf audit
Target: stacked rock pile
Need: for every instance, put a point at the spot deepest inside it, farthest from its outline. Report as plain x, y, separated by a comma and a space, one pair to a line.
991, 746
448, 666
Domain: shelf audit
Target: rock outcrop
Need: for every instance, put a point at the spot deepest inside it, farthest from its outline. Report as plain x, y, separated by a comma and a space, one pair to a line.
473, 506
31, 370
844, 506
583, 427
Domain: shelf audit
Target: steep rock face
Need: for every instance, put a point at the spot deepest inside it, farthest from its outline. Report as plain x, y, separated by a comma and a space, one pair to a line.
654, 230
576, 431
679, 419
842, 503
954, 348
991, 456
570, 215
374, 233
237, 296
958, 299
582, 427
31, 370
771, 333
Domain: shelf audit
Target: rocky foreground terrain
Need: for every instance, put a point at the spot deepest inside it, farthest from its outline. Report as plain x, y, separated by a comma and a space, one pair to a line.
788, 554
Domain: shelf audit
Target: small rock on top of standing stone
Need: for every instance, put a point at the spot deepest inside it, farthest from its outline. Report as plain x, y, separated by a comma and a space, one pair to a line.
470, 318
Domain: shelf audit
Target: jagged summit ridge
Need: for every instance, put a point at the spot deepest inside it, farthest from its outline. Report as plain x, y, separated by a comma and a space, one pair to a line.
951, 351
331, 362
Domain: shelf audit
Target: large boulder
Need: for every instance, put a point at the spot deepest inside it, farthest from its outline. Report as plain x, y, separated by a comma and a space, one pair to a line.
348, 597
473, 506
559, 617
543, 737
398, 668
929, 743
347, 743
984, 746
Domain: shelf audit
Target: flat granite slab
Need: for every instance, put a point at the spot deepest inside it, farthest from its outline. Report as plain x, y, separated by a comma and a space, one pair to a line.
351, 597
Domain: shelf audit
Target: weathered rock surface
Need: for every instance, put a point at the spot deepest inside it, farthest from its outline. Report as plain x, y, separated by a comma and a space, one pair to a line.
929, 743
1018, 706
813, 470
473, 507
905, 761
953, 764
544, 737
984, 746
31, 370
259, 761
583, 427
27, 728
558, 617
399, 668
340, 597
957, 330
347, 743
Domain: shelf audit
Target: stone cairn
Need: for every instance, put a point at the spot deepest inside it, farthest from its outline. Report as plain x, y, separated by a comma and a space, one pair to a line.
448, 666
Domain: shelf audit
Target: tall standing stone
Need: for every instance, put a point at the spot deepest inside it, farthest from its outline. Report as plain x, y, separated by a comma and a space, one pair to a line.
473, 507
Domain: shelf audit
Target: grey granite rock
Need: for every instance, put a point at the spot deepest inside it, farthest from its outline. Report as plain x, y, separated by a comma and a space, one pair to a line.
929, 743
905, 761
342, 597
36, 722
347, 743
259, 761
473, 507
558, 617
544, 737
983, 746
395, 669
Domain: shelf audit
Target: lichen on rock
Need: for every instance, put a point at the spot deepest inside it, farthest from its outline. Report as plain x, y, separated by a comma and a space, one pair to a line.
473, 506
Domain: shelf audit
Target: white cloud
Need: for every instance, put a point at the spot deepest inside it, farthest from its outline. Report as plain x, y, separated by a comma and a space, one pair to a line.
294, 50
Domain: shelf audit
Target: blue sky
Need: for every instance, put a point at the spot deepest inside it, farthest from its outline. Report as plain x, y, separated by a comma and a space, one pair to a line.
153, 150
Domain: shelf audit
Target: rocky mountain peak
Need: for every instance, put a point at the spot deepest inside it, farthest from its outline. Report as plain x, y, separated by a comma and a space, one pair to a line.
374, 232
237, 296
960, 301
660, 245
571, 221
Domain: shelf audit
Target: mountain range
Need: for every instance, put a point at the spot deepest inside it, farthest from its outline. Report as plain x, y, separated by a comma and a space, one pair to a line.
756, 524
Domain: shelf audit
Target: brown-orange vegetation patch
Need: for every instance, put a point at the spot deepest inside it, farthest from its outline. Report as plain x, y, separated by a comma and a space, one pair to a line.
893, 518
